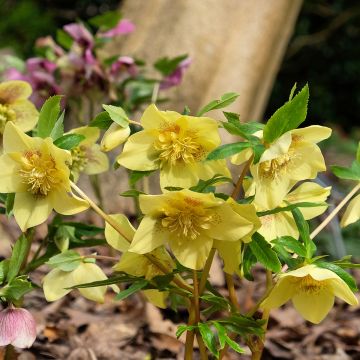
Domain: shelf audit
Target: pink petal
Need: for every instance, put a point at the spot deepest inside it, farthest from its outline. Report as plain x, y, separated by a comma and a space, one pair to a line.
123, 27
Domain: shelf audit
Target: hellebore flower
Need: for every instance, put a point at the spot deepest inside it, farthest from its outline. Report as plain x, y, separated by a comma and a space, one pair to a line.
17, 327
312, 291
80, 34
124, 26
87, 156
57, 282
114, 136
177, 144
123, 63
135, 264
352, 212
176, 76
190, 222
291, 158
15, 106
38, 173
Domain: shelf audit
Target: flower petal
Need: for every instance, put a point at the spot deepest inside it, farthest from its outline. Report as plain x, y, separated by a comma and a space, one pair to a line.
191, 253
230, 252
66, 203
98, 162
352, 212
56, 284
114, 136
181, 175
342, 291
314, 133
26, 114
156, 297
280, 294
113, 238
10, 181
278, 148
16, 140
13, 90
153, 118
26, 329
91, 134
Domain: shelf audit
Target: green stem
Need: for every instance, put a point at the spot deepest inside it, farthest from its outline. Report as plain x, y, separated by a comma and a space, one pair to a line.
206, 270
232, 292
94, 180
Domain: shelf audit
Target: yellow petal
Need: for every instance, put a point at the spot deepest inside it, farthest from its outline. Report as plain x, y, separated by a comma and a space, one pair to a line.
153, 118
56, 284
309, 192
139, 153
114, 136
191, 253
67, 203
132, 264
282, 292
314, 133
314, 307
241, 157
181, 175
91, 134
230, 252
88, 272
10, 181
149, 235
26, 114
98, 162
116, 240
30, 211
153, 204
156, 297
352, 212
207, 169
342, 291
13, 90
278, 148
16, 140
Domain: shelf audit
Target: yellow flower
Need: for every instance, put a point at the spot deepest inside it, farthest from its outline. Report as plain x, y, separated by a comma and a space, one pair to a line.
312, 291
57, 282
37, 171
291, 158
135, 264
352, 212
230, 251
15, 107
177, 145
190, 222
283, 223
114, 136
87, 156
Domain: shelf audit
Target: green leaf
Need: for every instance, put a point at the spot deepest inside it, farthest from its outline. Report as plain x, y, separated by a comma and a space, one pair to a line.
101, 121
292, 244
352, 173
4, 268
358, 153
18, 255
346, 263
287, 117
264, 254
110, 281
58, 129
221, 333
167, 65
182, 328
132, 193
292, 92
186, 110
209, 338
132, 289
64, 39
69, 141
135, 176
217, 300
9, 204
106, 20
48, 116
203, 185
242, 325
16, 289
232, 118
290, 207
339, 272
235, 346
245, 131
224, 101
62, 237
84, 229
117, 114
227, 150
303, 228
258, 150
66, 261
249, 259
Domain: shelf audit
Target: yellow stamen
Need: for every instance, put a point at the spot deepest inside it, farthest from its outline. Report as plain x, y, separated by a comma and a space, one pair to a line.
310, 286
79, 159
6, 114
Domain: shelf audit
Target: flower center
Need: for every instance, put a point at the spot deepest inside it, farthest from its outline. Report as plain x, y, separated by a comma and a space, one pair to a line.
39, 172
175, 147
79, 159
310, 286
272, 169
187, 221
6, 114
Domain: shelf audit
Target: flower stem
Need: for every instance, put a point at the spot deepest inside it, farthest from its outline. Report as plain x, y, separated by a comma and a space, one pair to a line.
239, 184
335, 211
206, 270
231, 288
101, 257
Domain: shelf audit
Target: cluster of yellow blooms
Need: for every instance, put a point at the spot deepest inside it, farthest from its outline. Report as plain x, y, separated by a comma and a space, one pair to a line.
187, 222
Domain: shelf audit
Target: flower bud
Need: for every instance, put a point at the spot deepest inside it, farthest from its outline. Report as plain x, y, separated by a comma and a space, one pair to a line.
114, 136
17, 327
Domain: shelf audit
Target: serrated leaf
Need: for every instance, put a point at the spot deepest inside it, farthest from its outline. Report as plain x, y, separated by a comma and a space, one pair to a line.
18, 255
224, 101
135, 176
203, 185
117, 114
291, 244
106, 20
264, 254
292, 92
69, 141
101, 121
258, 150
339, 272
4, 268
235, 346
221, 333
132, 289
66, 261
58, 129
232, 118
84, 229
168, 65
182, 328
209, 338
227, 150
16, 289
48, 116
352, 173
110, 281
287, 117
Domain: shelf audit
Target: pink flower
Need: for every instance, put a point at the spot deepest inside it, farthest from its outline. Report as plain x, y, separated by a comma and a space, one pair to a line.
176, 76
123, 63
48, 42
17, 327
40, 64
80, 34
123, 27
